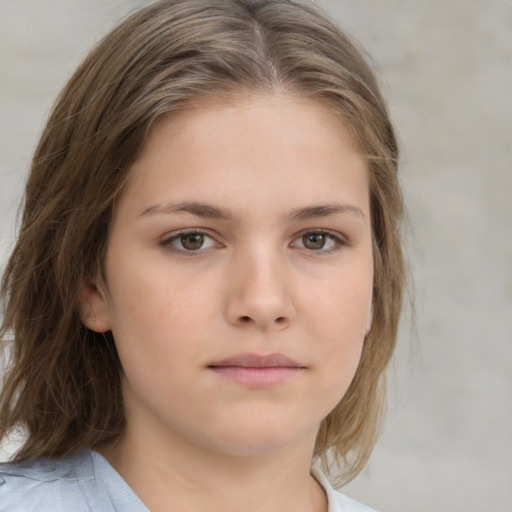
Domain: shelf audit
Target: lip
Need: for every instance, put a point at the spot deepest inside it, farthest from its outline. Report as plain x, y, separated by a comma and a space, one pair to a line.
257, 370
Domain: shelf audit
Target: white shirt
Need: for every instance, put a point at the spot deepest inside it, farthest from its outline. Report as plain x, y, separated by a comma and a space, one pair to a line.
86, 482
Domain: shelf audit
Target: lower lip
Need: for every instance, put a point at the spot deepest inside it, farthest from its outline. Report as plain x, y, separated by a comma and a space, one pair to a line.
257, 377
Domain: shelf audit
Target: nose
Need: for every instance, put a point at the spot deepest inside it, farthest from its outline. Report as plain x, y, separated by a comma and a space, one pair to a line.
260, 294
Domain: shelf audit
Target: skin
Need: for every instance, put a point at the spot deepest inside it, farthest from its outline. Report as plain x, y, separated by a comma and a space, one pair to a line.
285, 267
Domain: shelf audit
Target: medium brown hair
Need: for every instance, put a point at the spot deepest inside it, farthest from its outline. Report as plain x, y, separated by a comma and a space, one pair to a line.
62, 386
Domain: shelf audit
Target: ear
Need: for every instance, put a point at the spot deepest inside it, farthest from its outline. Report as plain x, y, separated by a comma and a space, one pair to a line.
370, 321
93, 308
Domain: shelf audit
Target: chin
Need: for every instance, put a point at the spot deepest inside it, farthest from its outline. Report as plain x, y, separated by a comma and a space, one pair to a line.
261, 440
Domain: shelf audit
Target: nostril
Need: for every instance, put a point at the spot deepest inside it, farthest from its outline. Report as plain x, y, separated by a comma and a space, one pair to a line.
280, 321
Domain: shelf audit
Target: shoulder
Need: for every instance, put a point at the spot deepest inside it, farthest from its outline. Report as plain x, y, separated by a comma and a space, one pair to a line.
345, 504
338, 502
46, 484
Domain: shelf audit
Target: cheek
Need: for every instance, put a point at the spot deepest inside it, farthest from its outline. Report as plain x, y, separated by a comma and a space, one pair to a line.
339, 327
343, 306
151, 296
158, 318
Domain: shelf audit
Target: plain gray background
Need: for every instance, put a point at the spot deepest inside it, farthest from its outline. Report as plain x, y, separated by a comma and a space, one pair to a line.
446, 68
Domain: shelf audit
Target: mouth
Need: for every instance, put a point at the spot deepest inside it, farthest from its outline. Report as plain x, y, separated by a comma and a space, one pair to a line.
258, 371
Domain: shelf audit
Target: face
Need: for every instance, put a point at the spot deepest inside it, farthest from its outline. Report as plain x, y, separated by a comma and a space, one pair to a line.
239, 275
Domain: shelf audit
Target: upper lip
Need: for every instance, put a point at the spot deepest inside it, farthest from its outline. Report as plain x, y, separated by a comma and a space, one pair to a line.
257, 361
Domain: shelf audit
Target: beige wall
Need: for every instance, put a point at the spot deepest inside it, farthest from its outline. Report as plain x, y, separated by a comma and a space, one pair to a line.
447, 70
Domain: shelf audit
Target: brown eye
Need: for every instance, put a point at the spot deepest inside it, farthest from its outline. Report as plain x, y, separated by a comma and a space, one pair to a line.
320, 241
192, 241
189, 242
314, 241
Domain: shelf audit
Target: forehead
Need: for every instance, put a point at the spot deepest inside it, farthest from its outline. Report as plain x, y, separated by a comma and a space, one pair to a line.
267, 144
270, 109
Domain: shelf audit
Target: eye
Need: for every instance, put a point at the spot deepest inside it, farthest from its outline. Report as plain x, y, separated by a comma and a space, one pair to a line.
319, 241
189, 241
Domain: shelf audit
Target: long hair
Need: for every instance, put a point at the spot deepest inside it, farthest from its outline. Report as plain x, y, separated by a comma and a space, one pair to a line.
62, 385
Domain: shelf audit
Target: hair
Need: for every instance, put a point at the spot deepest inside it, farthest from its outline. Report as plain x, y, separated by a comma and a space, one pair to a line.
62, 385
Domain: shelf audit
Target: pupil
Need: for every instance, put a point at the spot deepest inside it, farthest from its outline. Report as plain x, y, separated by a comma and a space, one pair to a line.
192, 241
314, 241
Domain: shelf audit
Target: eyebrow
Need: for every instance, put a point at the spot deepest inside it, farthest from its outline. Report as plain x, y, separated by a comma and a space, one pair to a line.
196, 208
206, 210
324, 210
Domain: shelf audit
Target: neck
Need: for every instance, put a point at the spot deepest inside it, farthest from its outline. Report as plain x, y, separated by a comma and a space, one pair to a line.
183, 476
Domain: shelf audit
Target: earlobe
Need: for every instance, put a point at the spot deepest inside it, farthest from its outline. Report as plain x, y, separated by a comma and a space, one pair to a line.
370, 321
93, 308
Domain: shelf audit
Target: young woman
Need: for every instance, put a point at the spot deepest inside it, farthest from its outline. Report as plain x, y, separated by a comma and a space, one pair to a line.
205, 290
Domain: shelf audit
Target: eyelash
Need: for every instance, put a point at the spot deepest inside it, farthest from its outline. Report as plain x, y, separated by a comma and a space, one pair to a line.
339, 241
176, 236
